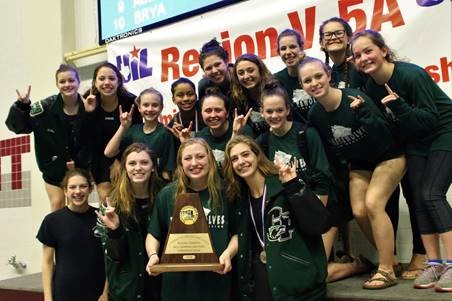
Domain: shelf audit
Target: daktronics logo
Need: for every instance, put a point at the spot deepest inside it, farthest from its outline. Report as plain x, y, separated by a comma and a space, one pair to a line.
134, 64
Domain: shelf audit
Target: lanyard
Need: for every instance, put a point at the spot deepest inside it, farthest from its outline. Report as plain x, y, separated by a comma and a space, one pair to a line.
261, 240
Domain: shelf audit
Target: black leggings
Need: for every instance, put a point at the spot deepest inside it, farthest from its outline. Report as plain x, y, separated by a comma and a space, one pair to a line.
429, 179
418, 246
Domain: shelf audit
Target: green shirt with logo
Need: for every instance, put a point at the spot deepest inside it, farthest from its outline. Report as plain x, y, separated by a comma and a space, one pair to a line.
194, 286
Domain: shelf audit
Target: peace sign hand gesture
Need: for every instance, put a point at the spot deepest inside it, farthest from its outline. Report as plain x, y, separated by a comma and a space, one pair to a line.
90, 101
126, 117
180, 132
110, 218
240, 121
356, 102
391, 97
24, 98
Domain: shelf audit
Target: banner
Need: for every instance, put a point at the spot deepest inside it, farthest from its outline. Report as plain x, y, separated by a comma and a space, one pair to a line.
418, 31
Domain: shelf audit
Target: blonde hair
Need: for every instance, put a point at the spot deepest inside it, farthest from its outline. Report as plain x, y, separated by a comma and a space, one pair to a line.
182, 182
233, 181
123, 196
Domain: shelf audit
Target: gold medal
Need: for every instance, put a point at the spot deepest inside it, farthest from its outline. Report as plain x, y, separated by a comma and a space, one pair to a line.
263, 257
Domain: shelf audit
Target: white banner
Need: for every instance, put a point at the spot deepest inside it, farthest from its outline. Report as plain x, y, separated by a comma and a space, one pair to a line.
419, 32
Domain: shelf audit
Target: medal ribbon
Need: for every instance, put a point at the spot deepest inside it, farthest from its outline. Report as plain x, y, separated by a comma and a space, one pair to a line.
261, 240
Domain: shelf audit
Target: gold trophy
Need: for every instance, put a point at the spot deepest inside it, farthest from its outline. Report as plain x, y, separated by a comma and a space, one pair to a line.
188, 246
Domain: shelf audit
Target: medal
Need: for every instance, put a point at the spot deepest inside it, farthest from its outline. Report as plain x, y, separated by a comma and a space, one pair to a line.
263, 257
262, 254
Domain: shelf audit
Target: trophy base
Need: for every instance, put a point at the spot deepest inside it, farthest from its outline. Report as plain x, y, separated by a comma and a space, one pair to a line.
186, 267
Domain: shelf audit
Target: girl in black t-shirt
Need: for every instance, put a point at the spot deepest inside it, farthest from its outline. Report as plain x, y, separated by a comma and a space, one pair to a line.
109, 91
77, 273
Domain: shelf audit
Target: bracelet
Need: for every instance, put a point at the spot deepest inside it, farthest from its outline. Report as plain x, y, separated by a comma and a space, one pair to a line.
152, 254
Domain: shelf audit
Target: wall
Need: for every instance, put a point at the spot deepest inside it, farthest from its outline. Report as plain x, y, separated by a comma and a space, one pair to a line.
35, 36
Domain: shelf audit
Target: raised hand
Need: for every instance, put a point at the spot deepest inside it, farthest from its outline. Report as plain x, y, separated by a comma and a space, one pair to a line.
356, 102
391, 97
110, 218
240, 121
286, 172
70, 165
126, 117
24, 98
90, 101
180, 132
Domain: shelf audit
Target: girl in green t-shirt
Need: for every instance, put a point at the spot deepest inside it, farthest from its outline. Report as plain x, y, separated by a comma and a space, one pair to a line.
189, 115
196, 172
248, 79
335, 35
351, 124
422, 114
284, 141
290, 47
152, 132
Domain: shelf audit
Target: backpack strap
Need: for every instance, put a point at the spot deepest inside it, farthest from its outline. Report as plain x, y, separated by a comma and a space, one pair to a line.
264, 142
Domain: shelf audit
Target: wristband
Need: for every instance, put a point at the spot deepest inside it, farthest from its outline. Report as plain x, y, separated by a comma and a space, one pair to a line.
152, 254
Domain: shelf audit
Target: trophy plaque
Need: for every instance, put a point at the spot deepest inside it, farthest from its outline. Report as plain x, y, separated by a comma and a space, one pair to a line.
188, 246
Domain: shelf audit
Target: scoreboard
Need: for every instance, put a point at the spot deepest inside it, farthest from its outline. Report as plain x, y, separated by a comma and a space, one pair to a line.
119, 19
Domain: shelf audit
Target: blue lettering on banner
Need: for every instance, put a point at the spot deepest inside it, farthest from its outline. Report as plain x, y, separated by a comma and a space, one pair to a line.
134, 64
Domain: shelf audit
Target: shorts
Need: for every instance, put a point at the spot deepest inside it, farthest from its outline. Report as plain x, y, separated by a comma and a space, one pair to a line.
101, 169
53, 172
55, 181
392, 153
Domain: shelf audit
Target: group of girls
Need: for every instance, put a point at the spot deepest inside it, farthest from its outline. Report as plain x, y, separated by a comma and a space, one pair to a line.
360, 127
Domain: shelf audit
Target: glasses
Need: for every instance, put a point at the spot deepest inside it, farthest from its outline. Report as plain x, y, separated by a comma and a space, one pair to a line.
328, 35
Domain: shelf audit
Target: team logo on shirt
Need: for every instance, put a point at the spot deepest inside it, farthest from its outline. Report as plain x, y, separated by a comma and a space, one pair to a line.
286, 159
36, 108
188, 215
281, 228
256, 117
343, 136
214, 220
302, 100
219, 156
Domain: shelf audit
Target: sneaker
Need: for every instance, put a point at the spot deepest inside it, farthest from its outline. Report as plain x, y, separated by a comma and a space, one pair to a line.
429, 276
444, 283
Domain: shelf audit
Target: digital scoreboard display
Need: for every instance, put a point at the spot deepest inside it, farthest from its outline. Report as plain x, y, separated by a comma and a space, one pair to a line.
120, 19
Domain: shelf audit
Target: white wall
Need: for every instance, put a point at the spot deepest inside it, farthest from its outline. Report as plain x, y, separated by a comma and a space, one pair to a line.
35, 35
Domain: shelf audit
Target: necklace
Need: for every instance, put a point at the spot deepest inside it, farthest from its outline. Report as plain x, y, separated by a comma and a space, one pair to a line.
262, 254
